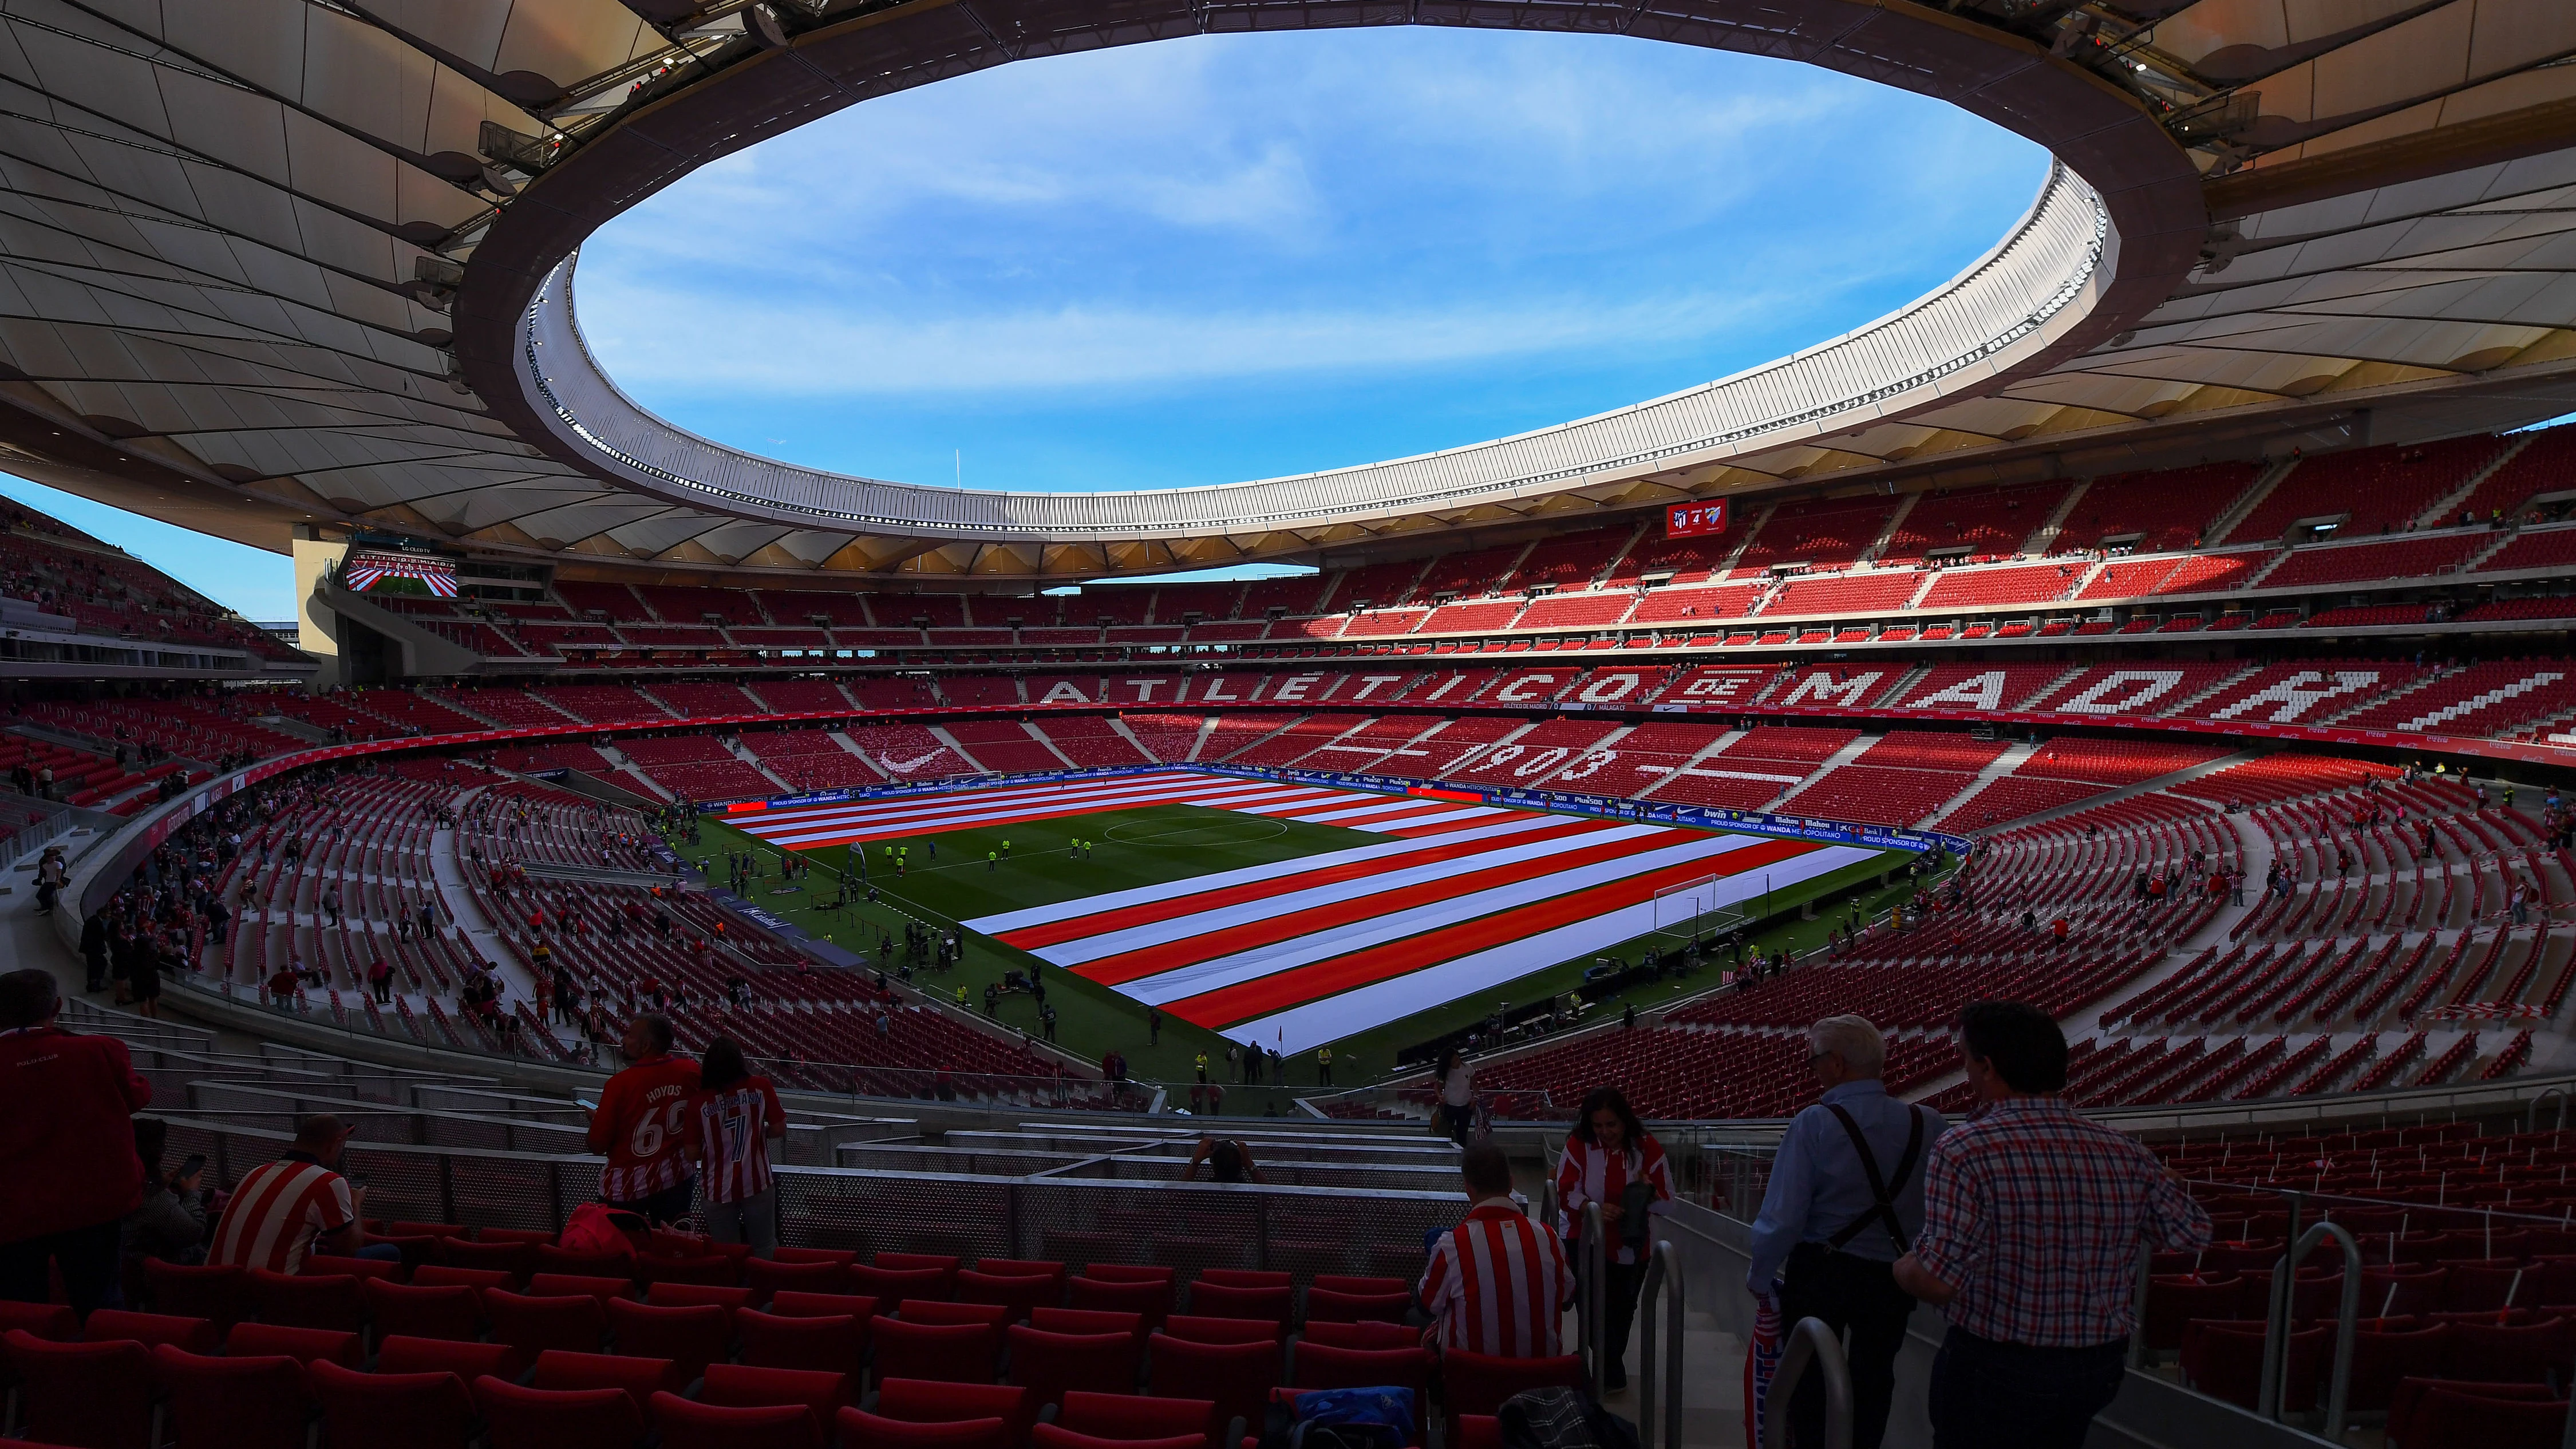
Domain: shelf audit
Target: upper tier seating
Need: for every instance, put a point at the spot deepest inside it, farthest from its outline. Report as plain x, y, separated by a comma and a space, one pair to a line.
1983, 522
1820, 533
2546, 464
2376, 489
2163, 510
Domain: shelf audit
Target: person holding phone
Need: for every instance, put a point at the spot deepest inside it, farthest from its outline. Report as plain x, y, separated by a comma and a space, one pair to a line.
171, 1223
284, 1211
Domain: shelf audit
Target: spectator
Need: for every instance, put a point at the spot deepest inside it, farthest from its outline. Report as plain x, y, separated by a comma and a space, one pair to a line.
2032, 1220
1497, 1284
283, 1211
1227, 1160
171, 1223
71, 1167
1457, 1096
1846, 1198
641, 1123
1610, 1160
737, 1114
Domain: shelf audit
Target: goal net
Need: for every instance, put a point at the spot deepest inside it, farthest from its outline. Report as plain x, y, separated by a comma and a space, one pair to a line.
1691, 908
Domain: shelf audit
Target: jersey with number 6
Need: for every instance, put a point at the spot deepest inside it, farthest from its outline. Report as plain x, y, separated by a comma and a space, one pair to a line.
643, 1125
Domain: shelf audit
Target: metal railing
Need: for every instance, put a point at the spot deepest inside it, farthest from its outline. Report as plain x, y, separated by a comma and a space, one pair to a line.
1810, 1345
2276, 1327
1663, 1283
1592, 1285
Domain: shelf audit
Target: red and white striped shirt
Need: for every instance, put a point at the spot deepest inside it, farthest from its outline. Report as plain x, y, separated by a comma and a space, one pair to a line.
1589, 1174
1498, 1285
733, 1128
643, 1125
276, 1212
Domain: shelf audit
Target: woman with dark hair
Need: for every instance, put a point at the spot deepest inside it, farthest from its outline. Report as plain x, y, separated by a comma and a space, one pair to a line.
1227, 1160
735, 1114
1611, 1159
170, 1224
1457, 1110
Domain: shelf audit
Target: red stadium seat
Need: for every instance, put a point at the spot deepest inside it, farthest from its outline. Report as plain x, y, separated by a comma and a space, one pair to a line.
870, 1431
600, 1286
2225, 1361
2497, 1353
1219, 1300
1150, 1298
928, 1401
1047, 1364
1358, 1286
468, 1361
237, 1402
390, 1410
332, 1301
745, 1386
691, 1295
893, 1285
940, 1263
564, 1262
2440, 1414
404, 1228
1246, 1277
1320, 1366
764, 1277
304, 1345
434, 1275
954, 1352
1323, 1306
528, 1418
52, 1321
788, 1303
516, 1259
81, 1394
415, 1312
1225, 1330
684, 1424
1478, 1431
1091, 1320
637, 1378
1237, 1377
1133, 1416
835, 1344
213, 1291
716, 1271
691, 1338
931, 1310
1477, 1383
534, 1325
1017, 1293
196, 1335
1048, 1436
531, 1237
1129, 1272
1363, 1335
326, 1265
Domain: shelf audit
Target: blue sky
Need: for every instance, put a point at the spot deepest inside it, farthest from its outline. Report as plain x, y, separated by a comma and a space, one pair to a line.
1240, 256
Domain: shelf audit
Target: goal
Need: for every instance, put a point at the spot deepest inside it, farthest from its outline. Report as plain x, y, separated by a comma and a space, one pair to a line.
1691, 908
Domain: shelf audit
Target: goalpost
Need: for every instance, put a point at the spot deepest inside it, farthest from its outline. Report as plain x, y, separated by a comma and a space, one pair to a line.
1691, 908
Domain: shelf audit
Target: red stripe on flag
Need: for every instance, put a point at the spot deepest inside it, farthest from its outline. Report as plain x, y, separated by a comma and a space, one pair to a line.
1029, 938
1468, 797
1396, 958
1150, 960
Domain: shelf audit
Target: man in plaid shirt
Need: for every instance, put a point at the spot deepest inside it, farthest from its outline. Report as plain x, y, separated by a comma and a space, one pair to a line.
2031, 1226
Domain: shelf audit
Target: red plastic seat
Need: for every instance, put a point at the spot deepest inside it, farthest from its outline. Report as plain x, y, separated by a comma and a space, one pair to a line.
893, 1285
2434, 1414
533, 1325
838, 1257
81, 1394
1091, 1320
2225, 1361
931, 1310
1359, 1286
528, 1237
1047, 1364
1150, 1298
516, 1259
304, 1345
1236, 1377
691, 1338
1225, 1330
431, 1312
929, 1401
238, 1402
1246, 1277
715, 1271
468, 1361
2175, 1300
2383, 1352
835, 1344
600, 1286
1023, 1268
326, 1265
637, 1378
691, 1295
2530, 1353
1323, 1306
906, 1262
685, 1424
549, 1419
390, 1410
433, 1275
859, 1430
1019, 1294
1321, 1366
1363, 1335
954, 1352
1477, 1383
403, 1227
210, 1291
765, 1276
1049, 1436
1219, 1300
51, 1321
329, 1301
1134, 1417
745, 1386
564, 1261
2481, 1287
797, 1304
196, 1335
1130, 1272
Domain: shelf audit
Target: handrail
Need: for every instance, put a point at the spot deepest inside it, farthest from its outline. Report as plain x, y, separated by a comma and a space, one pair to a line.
1810, 1342
1664, 1276
2276, 1328
1592, 1282
2531, 1113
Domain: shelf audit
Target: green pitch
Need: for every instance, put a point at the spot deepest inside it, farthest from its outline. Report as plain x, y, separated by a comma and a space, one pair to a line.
1149, 845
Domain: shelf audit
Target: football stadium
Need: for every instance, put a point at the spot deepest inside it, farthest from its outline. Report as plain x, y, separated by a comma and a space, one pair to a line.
2001, 877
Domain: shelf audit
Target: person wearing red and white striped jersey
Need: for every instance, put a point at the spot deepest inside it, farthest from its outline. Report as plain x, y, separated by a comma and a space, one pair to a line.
282, 1212
732, 1119
1498, 1284
1611, 1160
642, 1123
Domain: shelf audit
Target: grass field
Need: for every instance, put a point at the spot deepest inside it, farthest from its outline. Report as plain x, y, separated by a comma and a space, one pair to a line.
969, 877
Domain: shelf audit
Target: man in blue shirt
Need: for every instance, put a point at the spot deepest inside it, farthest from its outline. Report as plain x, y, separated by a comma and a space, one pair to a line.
1846, 1199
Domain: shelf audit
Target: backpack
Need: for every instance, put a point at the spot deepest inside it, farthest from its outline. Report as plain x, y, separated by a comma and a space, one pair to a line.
596, 1227
1562, 1418
1378, 1418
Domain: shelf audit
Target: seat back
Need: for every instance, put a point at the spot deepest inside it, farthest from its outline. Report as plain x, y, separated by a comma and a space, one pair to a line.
687, 1424
304, 1345
196, 1335
691, 1295
735, 1385
1321, 1366
330, 1300
800, 1304
597, 1285
1236, 1377
1325, 1306
1133, 1416
637, 1378
892, 1285
764, 1277
236, 1402
1016, 1293
211, 1291
714, 1270
691, 1338
1221, 1300
468, 1361
1150, 1299
81, 1394
1477, 1383
534, 1325
1225, 1330
837, 1344
1363, 1335
928, 1401
436, 1311
531, 1418
860, 1430
1047, 1364
390, 1410
1051, 1436
955, 1352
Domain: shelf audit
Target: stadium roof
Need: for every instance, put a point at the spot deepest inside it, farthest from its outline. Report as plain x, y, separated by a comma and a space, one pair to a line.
278, 263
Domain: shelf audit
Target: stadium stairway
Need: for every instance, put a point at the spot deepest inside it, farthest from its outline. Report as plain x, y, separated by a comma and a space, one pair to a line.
1830, 763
